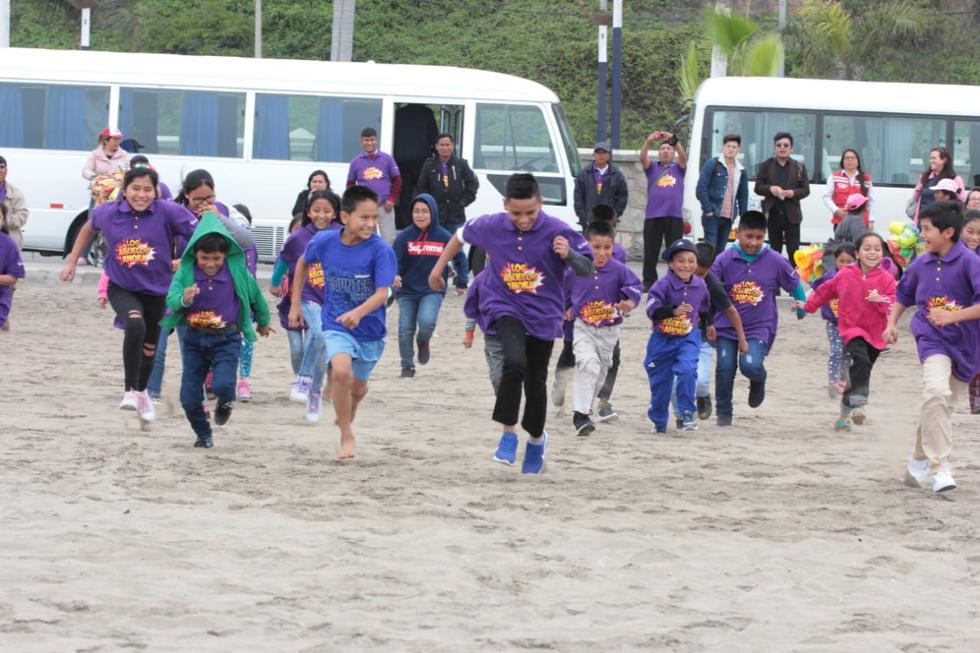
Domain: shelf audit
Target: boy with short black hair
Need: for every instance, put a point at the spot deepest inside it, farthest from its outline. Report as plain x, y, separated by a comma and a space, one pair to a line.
214, 294
358, 267
750, 273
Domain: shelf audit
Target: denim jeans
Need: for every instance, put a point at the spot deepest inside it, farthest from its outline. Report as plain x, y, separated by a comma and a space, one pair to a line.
716, 231
205, 351
416, 310
752, 365
297, 348
155, 385
314, 363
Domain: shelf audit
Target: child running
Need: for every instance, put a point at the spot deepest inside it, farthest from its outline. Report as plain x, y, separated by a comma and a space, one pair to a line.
358, 267
971, 238
523, 302
842, 255
493, 351
11, 269
944, 286
214, 295
751, 273
864, 294
678, 303
597, 304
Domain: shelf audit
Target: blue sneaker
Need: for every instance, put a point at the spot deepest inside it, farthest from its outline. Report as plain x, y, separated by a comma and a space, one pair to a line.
507, 449
534, 456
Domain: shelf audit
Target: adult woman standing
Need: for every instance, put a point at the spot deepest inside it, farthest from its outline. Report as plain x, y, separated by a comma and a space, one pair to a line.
318, 180
940, 167
107, 157
140, 231
849, 179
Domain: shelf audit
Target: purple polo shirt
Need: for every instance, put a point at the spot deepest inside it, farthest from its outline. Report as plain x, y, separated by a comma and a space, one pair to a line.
619, 253
291, 251
12, 264
141, 244
374, 171
526, 276
950, 283
216, 305
671, 290
752, 288
471, 305
665, 190
593, 298
829, 310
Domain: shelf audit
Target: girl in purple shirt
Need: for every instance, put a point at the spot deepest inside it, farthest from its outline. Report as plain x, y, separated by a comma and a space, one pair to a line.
140, 232
971, 238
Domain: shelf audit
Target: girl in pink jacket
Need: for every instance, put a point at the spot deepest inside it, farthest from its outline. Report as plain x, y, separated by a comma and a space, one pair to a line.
865, 293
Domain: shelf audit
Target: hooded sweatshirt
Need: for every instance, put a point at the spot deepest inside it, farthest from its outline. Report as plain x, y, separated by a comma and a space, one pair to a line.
856, 316
417, 251
246, 287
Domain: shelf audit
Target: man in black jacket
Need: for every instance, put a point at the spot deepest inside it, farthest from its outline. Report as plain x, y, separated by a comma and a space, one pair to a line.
450, 180
600, 182
782, 182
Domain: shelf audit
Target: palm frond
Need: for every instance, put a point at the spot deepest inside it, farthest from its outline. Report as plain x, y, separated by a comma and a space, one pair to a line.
763, 56
688, 77
728, 31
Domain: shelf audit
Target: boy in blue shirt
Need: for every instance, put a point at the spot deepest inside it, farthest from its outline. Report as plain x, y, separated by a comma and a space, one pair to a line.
358, 266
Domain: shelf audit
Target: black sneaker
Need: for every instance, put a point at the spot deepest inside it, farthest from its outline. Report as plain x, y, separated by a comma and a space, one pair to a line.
222, 412
408, 372
679, 423
583, 425
204, 443
704, 407
424, 351
724, 420
757, 394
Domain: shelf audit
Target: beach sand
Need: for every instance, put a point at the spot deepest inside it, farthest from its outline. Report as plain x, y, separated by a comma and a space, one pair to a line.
777, 534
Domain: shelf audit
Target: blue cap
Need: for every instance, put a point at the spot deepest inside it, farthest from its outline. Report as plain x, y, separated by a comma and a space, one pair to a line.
682, 245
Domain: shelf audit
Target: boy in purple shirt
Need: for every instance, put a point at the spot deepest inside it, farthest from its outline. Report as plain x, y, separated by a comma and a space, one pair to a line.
11, 269
597, 304
944, 286
524, 302
751, 273
214, 295
378, 171
678, 303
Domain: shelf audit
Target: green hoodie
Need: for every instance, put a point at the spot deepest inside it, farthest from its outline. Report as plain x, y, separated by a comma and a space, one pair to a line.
246, 287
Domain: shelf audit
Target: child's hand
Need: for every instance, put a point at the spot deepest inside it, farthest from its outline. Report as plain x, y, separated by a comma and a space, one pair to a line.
873, 296
467, 339
683, 309
350, 319
560, 247
890, 334
568, 315
711, 333
626, 306
174, 264
67, 273
295, 317
798, 306
436, 281
743, 346
264, 331
103, 302
275, 291
941, 317
398, 281
190, 293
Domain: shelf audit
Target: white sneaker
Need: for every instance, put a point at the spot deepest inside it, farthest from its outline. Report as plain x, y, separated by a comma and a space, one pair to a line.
300, 390
916, 471
130, 400
144, 405
942, 481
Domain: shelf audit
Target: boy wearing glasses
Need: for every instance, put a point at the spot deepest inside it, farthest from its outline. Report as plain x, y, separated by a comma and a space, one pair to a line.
783, 182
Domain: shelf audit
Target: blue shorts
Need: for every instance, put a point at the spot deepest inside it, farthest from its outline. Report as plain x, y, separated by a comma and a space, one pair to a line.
364, 354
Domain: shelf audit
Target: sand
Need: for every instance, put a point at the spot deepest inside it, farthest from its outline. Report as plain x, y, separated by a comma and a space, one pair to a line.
775, 535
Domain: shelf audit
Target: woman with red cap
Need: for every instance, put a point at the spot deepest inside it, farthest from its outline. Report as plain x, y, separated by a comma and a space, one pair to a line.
107, 157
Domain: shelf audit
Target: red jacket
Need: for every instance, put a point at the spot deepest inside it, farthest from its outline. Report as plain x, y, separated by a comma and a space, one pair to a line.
856, 316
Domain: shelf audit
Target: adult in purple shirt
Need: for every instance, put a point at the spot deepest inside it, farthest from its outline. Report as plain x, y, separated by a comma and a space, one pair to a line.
524, 300
665, 198
379, 172
140, 232
944, 286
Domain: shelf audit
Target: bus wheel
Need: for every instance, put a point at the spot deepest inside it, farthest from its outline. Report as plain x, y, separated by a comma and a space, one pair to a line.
99, 250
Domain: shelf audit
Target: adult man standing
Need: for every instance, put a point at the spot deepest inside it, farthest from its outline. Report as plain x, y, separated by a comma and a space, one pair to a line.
723, 190
665, 197
783, 182
600, 182
450, 180
12, 198
379, 172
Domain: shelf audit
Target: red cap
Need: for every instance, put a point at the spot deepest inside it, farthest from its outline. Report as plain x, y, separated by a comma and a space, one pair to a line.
111, 132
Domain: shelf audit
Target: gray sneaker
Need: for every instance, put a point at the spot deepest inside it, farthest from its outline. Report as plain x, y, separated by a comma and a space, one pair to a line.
605, 413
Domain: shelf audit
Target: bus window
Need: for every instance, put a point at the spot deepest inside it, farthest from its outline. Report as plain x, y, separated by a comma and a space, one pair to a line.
571, 149
52, 116
757, 129
966, 151
894, 150
194, 123
311, 128
513, 137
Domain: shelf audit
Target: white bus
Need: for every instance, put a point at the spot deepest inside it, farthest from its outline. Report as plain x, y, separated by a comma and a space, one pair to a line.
261, 126
893, 126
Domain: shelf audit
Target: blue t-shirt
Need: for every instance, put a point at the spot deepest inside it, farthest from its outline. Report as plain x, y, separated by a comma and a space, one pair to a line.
351, 274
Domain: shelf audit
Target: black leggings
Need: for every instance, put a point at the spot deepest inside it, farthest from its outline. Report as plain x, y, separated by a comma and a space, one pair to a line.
525, 368
141, 315
657, 232
863, 358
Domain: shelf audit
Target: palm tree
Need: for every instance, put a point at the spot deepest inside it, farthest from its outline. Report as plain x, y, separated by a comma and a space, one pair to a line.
121, 14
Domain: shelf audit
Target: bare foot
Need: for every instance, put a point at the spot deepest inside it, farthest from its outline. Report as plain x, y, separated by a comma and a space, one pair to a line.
346, 449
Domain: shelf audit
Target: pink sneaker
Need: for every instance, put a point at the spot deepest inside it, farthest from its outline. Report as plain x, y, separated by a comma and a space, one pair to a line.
130, 401
244, 392
144, 405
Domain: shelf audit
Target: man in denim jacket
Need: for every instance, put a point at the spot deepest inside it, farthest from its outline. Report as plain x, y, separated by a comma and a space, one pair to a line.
723, 190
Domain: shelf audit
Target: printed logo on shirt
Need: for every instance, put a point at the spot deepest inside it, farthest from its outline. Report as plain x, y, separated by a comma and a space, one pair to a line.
942, 303
597, 313
834, 304
521, 277
314, 275
206, 320
666, 181
747, 292
134, 251
676, 326
372, 173
425, 248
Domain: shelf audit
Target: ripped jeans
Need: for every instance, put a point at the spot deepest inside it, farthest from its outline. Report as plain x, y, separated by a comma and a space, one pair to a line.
752, 365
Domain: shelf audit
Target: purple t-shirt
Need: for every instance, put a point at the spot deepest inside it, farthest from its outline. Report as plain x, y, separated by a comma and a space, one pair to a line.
526, 277
670, 290
471, 304
949, 283
165, 193
216, 305
291, 251
12, 264
752, 288
141, 244
593, 298
665, 190
619, 253
375, 172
